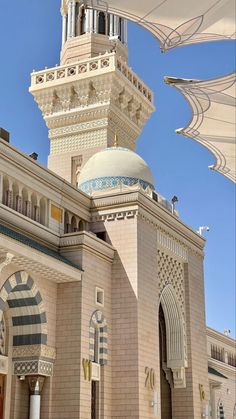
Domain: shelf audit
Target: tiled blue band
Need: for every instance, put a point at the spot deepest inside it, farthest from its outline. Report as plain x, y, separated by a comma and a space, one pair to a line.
112, 182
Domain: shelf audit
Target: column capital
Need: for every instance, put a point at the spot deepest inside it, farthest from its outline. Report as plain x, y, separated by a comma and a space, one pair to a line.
35, 384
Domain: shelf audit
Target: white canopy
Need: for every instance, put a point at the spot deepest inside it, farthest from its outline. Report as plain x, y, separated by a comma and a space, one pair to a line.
213, 122
176, 22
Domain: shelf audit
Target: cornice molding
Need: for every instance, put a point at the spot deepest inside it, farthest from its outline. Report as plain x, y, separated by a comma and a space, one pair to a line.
25, 351
221, 366
88, 242
227, 340
41, 176
149, 211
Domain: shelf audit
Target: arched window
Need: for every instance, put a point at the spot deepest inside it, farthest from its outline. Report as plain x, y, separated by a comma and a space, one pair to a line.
66, 223
98, 338
81, 225
73, 224
98, 354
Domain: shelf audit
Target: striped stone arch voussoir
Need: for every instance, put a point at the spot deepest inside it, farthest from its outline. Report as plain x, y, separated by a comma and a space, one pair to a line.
29, 322
98, 322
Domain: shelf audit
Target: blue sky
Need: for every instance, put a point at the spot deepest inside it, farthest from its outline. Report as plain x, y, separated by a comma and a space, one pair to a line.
30, 37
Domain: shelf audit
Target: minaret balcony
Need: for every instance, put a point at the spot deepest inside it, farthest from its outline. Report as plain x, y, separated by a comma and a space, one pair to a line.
103, 64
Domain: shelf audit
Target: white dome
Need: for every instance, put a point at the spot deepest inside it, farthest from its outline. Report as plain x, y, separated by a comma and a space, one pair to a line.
112, 167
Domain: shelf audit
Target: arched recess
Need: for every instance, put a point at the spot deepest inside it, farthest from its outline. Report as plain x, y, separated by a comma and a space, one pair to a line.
20, 295
175, 356
98, 336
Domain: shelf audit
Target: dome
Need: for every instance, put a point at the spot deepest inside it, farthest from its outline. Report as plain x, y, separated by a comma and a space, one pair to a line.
112, 167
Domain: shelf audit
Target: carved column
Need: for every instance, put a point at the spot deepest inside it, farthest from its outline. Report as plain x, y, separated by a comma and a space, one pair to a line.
28, 208
111, 29
9, 198
73, 19
125, 32
69, 22
95, 21
35, 385
9, 195
36, 214
116, 26
64, 29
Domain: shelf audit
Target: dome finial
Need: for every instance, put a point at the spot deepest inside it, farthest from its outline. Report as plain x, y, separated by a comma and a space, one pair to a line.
116, 140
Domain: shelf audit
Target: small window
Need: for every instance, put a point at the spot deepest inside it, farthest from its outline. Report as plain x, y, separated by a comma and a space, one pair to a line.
99, 296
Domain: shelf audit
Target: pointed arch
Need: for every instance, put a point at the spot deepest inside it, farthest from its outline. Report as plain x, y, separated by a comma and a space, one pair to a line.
29, 323
176, 359
98, 335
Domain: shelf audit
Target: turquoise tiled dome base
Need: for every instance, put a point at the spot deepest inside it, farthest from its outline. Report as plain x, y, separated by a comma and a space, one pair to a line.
112, 182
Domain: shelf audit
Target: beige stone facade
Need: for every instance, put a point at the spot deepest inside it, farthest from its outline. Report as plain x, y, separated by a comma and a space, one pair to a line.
102, 312
146, 257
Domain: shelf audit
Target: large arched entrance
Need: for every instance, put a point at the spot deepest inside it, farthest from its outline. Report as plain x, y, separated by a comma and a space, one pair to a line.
165, 373
23, 335
176, 358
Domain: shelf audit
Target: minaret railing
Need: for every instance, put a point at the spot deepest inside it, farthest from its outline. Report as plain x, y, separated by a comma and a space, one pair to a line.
98, 65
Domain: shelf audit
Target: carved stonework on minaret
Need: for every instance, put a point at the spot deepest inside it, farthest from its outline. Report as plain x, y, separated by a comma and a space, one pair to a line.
85, 103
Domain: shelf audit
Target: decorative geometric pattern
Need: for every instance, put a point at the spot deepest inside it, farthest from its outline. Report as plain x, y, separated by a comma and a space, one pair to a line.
78, 141
33, 351
75, 128
112, 182
175, 246
30, 367
98, 323
170, 271
29, 320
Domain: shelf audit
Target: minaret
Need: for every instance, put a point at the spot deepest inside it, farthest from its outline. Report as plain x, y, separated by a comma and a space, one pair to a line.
93, 95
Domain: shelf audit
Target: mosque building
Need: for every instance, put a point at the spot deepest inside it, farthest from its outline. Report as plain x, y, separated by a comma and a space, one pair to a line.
102, 312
